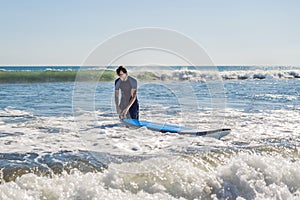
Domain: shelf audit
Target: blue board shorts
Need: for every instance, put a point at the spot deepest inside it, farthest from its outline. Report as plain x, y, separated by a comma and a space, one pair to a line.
134, 110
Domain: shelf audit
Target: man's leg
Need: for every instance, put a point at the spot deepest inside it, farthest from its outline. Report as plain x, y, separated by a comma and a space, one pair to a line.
134, 110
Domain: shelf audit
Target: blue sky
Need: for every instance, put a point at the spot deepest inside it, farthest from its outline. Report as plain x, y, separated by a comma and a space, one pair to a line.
233, 32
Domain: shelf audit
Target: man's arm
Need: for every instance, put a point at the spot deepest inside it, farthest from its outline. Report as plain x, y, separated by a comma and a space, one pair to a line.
117, 101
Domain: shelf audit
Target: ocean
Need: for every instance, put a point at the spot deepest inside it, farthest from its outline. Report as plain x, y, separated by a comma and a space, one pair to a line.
60, 137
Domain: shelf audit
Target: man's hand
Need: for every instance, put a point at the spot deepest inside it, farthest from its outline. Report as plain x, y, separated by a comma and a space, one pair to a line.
124, 112
118, 109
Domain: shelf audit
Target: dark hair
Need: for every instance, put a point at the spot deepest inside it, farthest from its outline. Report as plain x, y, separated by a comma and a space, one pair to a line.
121, 68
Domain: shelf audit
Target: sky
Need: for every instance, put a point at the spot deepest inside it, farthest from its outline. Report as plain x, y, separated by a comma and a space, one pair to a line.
232, 32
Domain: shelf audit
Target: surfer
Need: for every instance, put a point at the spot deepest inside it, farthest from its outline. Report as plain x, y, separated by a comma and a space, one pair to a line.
128, 106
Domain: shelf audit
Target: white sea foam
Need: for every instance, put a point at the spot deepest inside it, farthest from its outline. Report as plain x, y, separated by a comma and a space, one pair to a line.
243, 176
12, 112
62, 133
258, 160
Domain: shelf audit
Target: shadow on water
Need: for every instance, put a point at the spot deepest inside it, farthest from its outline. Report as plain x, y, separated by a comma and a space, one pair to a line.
14, 165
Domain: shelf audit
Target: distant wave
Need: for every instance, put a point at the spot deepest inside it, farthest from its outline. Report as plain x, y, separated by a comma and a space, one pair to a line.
51, 75
260, 74
204, 76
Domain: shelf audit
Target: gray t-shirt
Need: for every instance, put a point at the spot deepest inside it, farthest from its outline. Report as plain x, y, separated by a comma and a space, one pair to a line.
126, 87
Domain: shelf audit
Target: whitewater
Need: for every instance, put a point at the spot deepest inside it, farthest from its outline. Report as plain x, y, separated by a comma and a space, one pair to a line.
54, 148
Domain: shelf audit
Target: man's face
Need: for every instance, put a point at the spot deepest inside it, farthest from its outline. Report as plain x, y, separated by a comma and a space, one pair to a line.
122, 75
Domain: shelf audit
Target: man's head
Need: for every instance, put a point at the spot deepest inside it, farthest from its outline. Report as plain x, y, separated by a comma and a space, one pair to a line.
122, 72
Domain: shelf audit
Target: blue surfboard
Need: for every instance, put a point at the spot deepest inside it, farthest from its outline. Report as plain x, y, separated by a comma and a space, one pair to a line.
217, 133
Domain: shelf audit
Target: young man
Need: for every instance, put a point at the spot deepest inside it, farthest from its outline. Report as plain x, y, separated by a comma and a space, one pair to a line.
129, 106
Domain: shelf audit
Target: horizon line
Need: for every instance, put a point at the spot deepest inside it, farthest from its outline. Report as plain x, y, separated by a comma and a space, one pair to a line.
219, 65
